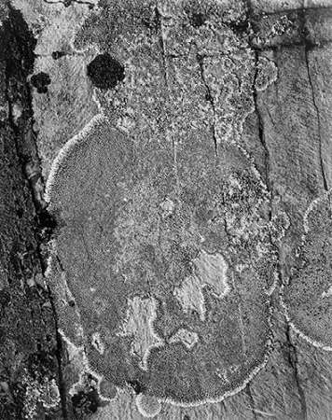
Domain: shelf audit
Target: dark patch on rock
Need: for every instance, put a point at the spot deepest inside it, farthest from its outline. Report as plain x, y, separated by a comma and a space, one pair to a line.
105, 72
85, 403
42, 362
4, 298
240, 27
40, 81
197, 20
29, 347
47, 225
151, 19
58, 54
137, 386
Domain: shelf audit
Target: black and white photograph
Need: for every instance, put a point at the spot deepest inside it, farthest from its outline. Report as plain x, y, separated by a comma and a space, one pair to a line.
166, 209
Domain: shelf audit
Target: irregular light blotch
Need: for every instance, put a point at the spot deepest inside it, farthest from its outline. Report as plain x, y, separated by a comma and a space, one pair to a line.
138, 323
97, 343
211, 270
148, 406
267, 73
188, 338
191, 297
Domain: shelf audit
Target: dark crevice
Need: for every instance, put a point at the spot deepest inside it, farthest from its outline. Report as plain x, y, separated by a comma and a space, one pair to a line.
159, 25
261, 133
251, 402
293, 362
59, 350
209, 98
307, 47
18, 48
68, 3
137, 386
291, 45
297, 10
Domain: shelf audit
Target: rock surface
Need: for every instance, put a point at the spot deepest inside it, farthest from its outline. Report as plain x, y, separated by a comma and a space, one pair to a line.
166, 216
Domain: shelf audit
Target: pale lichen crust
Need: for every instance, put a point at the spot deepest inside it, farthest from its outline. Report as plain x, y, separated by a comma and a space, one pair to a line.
307, 297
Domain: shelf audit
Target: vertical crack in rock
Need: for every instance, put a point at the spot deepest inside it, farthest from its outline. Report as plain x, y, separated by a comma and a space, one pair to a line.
307, 46
261, 133
209, 98
19, 45
162, 43
251, 402
293, 362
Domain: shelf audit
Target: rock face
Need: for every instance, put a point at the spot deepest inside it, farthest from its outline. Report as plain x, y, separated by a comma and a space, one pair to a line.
178, 158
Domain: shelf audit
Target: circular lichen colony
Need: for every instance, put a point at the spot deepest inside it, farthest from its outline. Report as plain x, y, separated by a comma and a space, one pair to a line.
166, 238
308, 296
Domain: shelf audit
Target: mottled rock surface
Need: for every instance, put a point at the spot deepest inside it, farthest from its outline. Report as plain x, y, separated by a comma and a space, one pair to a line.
166, 226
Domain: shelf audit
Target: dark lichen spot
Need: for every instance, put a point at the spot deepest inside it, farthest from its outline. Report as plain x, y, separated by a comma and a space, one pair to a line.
40, 81
4, 298
186, 417
57, 54
85, 403
197, 20
240, 27
20, 212
105, 72
137, 386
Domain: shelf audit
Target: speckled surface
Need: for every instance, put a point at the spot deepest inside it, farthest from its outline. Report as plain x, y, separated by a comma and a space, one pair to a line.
184, 153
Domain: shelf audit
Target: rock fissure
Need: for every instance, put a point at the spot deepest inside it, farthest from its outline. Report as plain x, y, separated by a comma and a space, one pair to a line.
325, 182
19, 65
209, 98
293, 362
251, 402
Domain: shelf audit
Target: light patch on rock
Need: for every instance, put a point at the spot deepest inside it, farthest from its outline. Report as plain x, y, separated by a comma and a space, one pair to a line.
328, 293
148, 406
212, 271
97, 343
190, 296
167, 206
17, 111
267, 73
138, 323
186, 337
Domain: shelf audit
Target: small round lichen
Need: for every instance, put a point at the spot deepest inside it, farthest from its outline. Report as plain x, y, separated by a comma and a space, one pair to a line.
148, 406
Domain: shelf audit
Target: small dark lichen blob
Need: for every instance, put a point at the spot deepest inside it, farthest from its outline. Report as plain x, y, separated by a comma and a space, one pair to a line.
57, 54
85, 403
105, 72
197, 20
137, 386
40, 81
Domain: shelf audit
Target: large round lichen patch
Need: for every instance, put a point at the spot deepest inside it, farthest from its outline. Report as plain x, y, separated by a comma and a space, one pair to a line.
165, 234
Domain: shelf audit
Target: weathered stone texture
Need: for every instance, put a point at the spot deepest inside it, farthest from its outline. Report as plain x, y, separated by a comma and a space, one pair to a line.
166, 209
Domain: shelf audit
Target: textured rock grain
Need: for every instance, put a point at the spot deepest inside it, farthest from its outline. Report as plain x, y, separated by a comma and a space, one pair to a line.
189, 173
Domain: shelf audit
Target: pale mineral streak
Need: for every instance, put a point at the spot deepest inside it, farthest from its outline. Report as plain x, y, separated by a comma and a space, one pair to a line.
187, 338
211, 271
141, 313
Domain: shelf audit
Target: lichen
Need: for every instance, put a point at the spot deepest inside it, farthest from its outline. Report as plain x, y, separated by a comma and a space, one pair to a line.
164, 204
